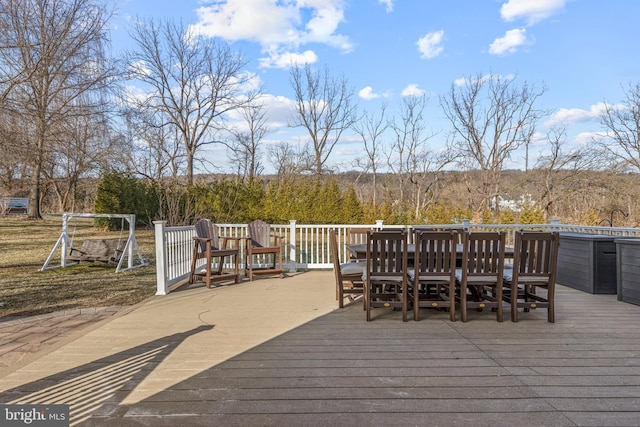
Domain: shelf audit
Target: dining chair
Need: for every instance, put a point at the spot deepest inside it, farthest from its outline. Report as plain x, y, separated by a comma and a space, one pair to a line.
481, 274
357, 236
386, 271
432, 281
264, 245
349, 282
207, 246
534, 267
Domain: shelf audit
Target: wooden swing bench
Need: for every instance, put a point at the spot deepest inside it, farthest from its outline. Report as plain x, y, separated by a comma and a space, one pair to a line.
105, 250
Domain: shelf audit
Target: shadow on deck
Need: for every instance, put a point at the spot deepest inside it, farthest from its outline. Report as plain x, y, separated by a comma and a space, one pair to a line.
338, 369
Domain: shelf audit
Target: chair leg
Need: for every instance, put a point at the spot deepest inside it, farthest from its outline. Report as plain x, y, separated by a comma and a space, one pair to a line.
193, 263
416, 302
499, 314
551, 317
207, 277
220, 265
463, 303
514, 302
246, 262
367, 303
405, 303
236, 268
452, 304
249, 266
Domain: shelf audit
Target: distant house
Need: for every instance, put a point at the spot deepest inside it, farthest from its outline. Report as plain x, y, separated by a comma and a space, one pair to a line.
514, 205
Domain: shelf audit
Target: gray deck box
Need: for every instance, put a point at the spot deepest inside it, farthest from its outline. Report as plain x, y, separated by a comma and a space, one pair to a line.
587, 262
628, 254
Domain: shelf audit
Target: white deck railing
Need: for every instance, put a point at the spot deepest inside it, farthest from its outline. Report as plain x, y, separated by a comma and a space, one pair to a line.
306, 246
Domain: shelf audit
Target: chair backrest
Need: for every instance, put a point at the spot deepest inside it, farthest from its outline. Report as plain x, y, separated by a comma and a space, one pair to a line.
259, 233
459, 230
386, 254
335, 256
535, 256
483, 255
435, 253
358, 236
205, 229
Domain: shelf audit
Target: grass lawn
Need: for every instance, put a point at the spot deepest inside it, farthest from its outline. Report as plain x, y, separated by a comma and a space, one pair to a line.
25, 291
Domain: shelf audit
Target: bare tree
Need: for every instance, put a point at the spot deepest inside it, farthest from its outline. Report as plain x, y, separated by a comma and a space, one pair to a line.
51, 58
87, 146
12, 155
491, 118
245, 146
324, 108
289, 160
154, 150
371, 128
195, 82
414, 163
622, 124
560, 175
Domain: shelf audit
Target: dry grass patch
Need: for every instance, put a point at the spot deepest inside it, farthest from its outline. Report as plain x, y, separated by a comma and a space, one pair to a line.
24, 290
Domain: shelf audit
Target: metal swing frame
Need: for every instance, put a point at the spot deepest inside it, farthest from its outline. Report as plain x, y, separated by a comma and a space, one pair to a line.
130, 248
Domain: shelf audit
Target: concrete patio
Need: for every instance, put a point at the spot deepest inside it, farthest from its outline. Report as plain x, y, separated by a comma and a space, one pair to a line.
277, 352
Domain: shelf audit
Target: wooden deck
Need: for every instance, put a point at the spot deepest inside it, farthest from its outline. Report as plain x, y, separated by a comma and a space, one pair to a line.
339, 370
584, 370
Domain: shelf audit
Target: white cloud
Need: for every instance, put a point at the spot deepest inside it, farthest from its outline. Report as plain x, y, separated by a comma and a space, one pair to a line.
532, 11
509, 43
287, 59
587, 138
565, 116
367, 94
279, 27
464, 81
140, 67
430, 45
388, 5
539, 139
413, 90
248, 81
258, 20
277, 111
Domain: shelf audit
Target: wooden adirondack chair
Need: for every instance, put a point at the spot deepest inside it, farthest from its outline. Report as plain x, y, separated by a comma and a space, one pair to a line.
206, 246
267, 247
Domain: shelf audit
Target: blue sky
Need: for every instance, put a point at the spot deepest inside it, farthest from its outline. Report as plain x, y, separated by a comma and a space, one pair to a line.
584, 52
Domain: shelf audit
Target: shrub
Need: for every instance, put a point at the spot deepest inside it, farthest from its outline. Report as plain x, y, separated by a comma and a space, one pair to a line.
122, 194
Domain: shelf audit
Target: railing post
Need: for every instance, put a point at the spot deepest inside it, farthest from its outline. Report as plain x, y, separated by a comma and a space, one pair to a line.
161, 258
555, 223
465, 224
379, 224
292, 245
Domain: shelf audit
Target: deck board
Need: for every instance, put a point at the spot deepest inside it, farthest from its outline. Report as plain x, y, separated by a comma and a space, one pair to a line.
339, 369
